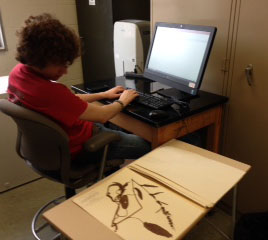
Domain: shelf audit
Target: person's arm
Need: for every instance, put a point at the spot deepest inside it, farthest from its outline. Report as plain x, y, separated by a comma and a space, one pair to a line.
110, 94
103, 113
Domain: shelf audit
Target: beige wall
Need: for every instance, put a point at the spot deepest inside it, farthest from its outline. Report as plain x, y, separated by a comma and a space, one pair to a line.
211, 13
14, 12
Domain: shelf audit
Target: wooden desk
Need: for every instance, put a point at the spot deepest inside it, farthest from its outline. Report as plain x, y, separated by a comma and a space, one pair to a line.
205, 111
212, 119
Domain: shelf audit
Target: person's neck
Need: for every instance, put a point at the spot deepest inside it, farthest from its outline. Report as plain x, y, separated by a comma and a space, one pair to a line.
37, 71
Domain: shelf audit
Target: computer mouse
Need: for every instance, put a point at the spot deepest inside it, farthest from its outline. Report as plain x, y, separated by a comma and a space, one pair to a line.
158, 114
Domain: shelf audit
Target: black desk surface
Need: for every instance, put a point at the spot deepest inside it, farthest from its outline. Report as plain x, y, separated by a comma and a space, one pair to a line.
203, 102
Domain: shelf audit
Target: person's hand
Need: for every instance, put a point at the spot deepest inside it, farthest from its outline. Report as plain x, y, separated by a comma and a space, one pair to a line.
128, 96
114, 92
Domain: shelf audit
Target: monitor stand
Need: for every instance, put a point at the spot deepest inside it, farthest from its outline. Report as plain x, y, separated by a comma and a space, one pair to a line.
176, 94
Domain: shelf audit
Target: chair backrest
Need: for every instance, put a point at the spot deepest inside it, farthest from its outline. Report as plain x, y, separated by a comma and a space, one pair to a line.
40, 141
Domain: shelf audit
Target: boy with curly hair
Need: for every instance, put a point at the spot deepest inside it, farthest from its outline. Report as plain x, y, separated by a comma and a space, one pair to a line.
45, 50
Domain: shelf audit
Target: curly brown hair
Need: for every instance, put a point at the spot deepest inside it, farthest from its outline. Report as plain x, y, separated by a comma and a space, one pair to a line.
45, 40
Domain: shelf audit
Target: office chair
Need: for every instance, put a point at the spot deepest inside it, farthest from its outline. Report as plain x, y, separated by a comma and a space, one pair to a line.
44, 146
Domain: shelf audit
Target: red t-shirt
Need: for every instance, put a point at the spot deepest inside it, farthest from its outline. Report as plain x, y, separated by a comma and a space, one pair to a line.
52, 99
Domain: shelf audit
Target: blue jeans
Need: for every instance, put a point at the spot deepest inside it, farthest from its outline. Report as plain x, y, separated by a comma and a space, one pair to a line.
129, 147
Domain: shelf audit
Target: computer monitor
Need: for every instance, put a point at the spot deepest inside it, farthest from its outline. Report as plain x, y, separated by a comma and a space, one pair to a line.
178, 56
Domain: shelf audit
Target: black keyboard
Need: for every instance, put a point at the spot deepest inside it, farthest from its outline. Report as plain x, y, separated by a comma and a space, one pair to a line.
152, 101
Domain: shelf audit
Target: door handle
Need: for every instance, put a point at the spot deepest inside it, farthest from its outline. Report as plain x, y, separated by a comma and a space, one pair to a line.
82, 41
249, 73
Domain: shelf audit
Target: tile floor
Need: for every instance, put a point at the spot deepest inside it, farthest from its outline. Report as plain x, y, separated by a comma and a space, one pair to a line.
18, 206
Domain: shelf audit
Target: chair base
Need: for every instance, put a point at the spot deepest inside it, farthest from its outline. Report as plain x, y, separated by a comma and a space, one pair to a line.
40, 228
69, 192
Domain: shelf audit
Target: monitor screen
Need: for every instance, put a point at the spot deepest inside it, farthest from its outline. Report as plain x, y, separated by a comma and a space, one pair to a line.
178, 55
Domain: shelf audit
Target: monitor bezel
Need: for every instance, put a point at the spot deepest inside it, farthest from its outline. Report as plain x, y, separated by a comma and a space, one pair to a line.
174, 81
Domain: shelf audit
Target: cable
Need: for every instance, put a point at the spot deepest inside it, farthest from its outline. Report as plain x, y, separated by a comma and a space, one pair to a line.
137, 67
182, 104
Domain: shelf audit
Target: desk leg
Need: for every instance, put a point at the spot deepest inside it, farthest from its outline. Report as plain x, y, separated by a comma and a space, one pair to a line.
156, 138
233, 221
214, 131
234, 210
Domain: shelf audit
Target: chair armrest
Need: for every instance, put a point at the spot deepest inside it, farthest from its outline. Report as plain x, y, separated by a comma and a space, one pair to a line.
99, 140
